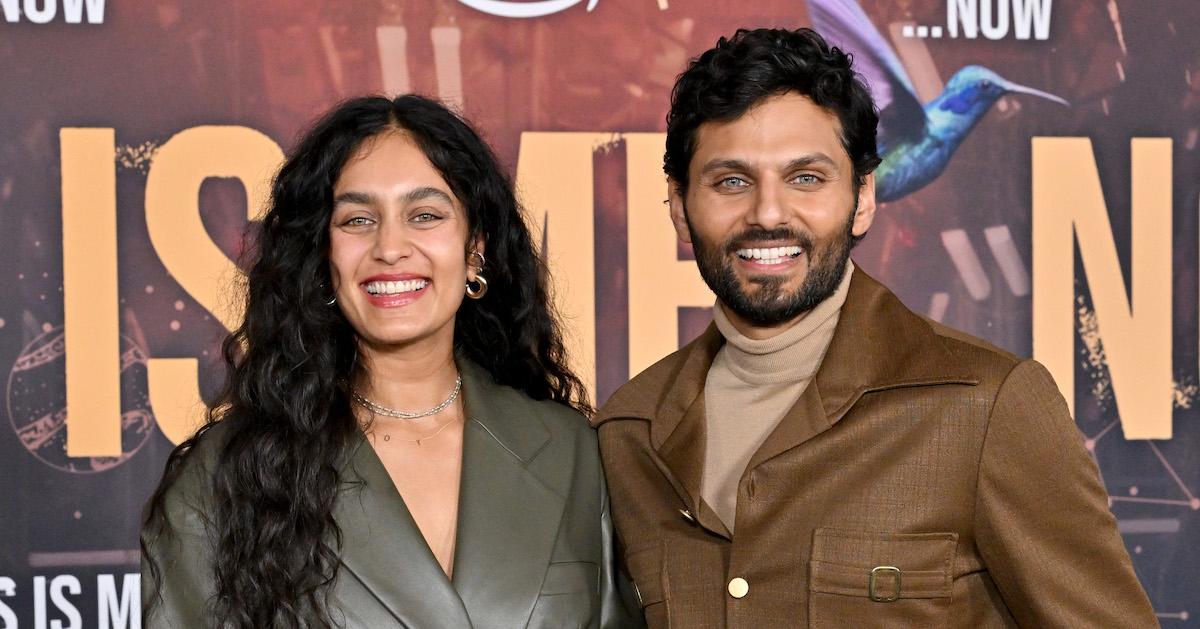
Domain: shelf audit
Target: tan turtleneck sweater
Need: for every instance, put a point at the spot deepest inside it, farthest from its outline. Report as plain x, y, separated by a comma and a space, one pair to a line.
750, 387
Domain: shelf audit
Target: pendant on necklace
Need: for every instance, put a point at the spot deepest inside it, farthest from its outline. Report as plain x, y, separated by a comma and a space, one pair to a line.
416, 441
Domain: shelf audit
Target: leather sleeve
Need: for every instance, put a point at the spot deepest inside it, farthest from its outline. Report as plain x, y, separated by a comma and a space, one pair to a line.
182, 551
618, 603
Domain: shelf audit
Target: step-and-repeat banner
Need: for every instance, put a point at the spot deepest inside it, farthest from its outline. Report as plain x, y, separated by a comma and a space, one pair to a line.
136, 138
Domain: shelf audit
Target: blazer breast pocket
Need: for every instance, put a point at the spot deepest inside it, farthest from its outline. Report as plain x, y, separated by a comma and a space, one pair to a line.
866, 579
568, 598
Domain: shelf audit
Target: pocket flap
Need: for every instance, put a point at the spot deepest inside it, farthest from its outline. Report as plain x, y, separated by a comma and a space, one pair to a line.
570, 577
842, 562
646, 569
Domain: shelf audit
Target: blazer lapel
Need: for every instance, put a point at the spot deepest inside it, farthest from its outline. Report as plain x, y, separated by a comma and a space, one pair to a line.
684, 452
803, 421
678, 429
383, 548
677, 420
508, 518
879, 344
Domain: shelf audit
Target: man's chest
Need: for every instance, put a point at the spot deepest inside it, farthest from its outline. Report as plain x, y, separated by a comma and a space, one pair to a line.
891, 482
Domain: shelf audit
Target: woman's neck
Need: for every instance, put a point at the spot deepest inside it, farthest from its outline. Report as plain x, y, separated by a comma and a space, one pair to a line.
409, 377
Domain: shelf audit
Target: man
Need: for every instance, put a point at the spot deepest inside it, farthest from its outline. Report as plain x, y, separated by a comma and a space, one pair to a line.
821, 456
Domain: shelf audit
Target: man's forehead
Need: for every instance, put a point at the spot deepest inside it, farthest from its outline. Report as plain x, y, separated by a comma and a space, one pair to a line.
778, 129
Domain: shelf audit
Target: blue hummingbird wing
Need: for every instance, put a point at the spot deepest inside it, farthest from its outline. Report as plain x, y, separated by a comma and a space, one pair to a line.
844, 24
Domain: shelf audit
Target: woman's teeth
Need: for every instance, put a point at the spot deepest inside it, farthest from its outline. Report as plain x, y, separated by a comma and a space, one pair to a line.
394, 288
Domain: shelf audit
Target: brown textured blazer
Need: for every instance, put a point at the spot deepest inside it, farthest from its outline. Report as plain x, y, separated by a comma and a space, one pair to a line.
950, 465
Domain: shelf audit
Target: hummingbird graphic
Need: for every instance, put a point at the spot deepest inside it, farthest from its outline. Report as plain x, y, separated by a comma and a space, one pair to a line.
915, 141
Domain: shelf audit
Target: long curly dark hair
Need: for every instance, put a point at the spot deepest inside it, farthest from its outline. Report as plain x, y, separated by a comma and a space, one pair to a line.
285, 407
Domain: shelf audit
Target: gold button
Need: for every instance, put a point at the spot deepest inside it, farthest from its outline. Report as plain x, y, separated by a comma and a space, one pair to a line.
687, 515
738, 587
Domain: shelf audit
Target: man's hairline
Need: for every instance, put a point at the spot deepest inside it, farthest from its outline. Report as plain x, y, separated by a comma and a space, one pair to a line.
840, 130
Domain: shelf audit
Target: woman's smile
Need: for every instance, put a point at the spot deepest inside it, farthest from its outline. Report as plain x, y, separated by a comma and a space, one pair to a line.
397, 245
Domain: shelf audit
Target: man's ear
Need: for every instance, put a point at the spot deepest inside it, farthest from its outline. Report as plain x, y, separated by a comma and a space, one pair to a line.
678, 218
864, 215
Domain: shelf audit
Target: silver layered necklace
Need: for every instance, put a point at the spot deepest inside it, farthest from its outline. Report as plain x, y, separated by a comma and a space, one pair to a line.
380, 409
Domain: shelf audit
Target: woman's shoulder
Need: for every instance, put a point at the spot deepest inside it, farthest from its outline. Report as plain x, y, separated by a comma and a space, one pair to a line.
190, 473
482, 389
559, 418
560, 413
206, 447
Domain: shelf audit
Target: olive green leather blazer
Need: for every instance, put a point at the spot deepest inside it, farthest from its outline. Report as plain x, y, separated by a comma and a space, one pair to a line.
534, 545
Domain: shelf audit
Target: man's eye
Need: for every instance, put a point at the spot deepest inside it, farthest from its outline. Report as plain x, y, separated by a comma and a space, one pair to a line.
425, 217
355, 221
732, 182
807, 179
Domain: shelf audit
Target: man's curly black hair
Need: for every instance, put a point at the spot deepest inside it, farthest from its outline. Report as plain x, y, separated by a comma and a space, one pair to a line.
739, 72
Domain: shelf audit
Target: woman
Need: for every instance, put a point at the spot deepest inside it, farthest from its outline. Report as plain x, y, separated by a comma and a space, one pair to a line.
399, 442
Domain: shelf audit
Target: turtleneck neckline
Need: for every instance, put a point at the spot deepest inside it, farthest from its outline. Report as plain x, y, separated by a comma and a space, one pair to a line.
794, 353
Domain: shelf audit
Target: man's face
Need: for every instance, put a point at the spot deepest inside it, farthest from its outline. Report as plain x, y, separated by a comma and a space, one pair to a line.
770, 209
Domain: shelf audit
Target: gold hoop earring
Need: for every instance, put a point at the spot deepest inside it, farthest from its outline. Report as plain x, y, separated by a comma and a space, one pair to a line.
477, 287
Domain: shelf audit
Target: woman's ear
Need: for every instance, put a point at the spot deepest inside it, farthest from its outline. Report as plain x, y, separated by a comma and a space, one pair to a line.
475, 256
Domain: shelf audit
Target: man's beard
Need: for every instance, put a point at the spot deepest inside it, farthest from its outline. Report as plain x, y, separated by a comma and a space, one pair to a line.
770, 305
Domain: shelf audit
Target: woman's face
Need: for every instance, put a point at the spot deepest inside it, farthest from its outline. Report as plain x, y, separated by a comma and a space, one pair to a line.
397, 251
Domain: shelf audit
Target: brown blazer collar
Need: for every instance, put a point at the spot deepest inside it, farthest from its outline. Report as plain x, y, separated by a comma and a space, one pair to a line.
878, 344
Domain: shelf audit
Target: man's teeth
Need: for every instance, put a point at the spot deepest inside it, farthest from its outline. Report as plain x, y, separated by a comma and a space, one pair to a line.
393, 288
772, 255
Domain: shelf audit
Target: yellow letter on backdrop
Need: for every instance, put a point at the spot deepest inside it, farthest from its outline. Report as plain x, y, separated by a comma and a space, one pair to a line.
173, 219
554, 181
1068, 204
659, 283
91, 320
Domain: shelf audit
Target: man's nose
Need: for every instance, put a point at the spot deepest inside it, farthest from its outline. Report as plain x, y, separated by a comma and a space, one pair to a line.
769, 210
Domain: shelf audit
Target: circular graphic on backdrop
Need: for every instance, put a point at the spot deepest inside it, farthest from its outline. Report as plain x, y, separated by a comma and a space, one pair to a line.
37, 404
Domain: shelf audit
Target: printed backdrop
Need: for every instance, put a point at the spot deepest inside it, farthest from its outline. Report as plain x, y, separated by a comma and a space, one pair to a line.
136, 139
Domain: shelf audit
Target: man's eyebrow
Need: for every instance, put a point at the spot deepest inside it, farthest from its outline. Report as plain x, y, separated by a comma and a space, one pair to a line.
412, 196
809, 160
720, 163
724, 164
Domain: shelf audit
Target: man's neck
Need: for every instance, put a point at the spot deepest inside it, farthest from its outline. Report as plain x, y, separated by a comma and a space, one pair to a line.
758, 332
